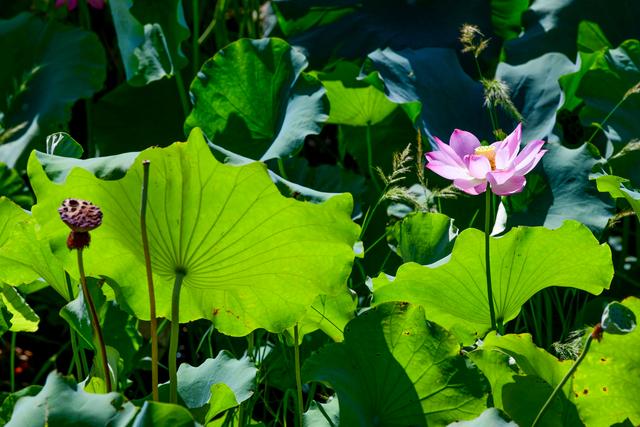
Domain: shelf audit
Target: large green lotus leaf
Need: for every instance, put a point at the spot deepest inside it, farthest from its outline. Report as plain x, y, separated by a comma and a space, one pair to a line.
561, 189
354, 102
217, 384
149, 37
395, 369
51, 67
325, 28
523, 261
611, 75
422, 237
124, 120
24, 319
157, 414
620, 188
109, 167
62, 403
605, 385
433, 76
252, 258
521, 388
254, 99
552, 26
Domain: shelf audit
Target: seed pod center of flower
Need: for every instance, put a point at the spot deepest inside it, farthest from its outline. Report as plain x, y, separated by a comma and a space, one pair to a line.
489, 153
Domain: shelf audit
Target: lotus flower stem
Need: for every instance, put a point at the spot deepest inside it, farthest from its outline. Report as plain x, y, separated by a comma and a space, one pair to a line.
487, 237
564, 380
372, 173
296, 353
173, 342
72, 336
95, 322
195, 35
153, 322
12, 361
182, 93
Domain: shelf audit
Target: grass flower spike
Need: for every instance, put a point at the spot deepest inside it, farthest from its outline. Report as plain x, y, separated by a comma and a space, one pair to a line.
471, 166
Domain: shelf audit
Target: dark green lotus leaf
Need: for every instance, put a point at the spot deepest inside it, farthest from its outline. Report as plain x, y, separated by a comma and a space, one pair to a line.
618, 319
535, 92
322, 414
523, 261
5, 318
605, 386
422, 237
254, 99
521, 388
433, 76
619, 187
217, 384
610, 78
23, 319
253, 258
149, 38
395, 368
561, 189
125, 121
506, 17
552, 26
62, 403
326, 28
51, 67
62, 144
13, 187
157, 414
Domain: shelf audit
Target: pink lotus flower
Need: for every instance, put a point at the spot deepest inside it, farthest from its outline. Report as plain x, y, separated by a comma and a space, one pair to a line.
471, 165
71, 4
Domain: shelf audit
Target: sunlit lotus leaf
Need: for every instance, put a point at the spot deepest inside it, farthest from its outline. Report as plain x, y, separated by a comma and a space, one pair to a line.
251, 258
523, 261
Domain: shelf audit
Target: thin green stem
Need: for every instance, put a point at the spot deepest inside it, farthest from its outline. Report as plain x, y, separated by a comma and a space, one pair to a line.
76, 356
372, 173
182, 93
12, 361
195, 36
153, 321
493, 116
95, 322
613, 110
173, 342
555, 391
296, 349
487, 258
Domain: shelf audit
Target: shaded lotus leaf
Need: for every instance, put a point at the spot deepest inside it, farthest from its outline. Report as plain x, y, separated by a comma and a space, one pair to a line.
506, 17
254, 99
23, 319
522, 376
149, 37
322, 414
524, 261
605, 386
54, 66
13, 187
395, 368
489, 418
422, 237
552, 26
125, 121
217, 384
561, 189
62, 402
251, 258
325, 28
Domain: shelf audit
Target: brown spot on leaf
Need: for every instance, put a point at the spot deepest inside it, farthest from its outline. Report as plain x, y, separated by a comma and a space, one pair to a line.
605, 389
585, 391
216, 311
603, 360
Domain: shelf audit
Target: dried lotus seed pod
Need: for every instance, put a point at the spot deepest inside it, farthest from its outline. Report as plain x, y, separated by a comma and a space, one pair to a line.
80, 215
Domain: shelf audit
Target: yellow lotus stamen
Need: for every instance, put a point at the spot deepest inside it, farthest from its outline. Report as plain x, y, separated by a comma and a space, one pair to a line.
488, 152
